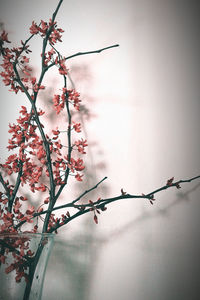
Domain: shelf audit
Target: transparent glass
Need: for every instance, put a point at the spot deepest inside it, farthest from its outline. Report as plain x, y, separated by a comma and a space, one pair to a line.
23, 262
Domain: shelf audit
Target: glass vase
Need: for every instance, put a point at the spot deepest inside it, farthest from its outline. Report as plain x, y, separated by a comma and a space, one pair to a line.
23, 262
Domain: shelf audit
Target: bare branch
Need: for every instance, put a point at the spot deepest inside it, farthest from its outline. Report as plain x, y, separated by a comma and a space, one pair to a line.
101, 203
87, 191
91, 52
84, 53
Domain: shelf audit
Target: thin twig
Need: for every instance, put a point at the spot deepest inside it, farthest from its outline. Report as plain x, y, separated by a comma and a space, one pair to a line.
85, 53
87, 191
101, 203
91, 52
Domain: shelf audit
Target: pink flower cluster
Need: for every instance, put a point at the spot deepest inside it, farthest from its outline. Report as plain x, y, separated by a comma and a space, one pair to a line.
67, 95
49, 30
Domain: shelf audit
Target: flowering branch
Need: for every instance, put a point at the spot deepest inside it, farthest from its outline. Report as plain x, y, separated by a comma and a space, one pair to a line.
101, 203
41, 160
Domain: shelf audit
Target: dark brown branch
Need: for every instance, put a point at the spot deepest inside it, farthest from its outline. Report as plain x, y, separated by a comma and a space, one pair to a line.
87, 191
175, 184
85, 53
101, 203
56, 11
91, 52
71, 204
124, 196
